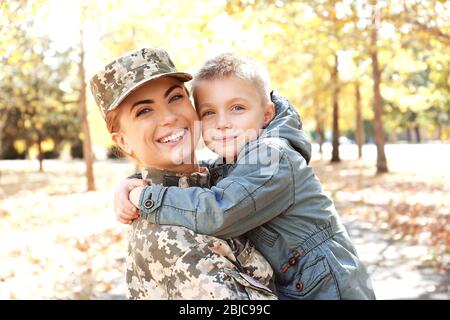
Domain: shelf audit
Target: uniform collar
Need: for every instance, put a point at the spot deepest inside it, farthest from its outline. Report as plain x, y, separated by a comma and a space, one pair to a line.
219, 170
176, 179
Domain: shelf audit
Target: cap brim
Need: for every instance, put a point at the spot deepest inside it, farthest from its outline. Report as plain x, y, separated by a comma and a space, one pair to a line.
183, 76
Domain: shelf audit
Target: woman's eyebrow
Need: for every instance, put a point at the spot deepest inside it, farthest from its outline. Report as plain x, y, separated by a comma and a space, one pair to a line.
146, 101
168, 91
149, 101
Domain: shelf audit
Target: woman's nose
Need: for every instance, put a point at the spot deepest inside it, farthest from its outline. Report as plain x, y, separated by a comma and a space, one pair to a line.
168, 118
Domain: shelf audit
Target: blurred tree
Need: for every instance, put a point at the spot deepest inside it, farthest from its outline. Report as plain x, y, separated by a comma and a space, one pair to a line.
419, 76
359, 133
86, 138
304, 58
321, 54
335, 20
35, 110
425, 19
377, 101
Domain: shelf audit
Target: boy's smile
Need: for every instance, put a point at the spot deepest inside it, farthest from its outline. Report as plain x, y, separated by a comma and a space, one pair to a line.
225, 139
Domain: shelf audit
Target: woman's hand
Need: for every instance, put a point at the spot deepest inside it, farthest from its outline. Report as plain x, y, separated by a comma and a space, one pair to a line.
125, 211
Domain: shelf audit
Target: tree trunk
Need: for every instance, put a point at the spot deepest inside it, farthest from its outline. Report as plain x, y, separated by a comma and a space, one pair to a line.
439, 132
40, 153
87, 146
408, 135
335, 140
320, 136
377, 102
417, 132
359, 134
319, 125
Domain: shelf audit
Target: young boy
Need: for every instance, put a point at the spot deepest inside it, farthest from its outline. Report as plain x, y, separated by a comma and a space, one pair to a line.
265, 190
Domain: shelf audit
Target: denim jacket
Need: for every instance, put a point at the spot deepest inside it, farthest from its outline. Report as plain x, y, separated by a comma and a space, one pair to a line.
272, 196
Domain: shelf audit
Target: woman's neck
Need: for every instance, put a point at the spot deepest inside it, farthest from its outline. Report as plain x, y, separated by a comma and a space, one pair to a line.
185, 168
181, 168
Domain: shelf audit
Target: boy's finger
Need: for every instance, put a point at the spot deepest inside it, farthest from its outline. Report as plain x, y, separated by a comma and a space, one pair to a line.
136, 183
124, 221
128, 210
124, 213
129, 207
122, 200
129, 216
128, 219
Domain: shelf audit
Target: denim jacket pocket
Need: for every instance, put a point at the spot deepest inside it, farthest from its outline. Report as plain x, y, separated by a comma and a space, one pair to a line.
265, 236
314, 280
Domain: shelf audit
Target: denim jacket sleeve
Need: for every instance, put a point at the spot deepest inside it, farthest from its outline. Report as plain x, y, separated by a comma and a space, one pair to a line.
257, 189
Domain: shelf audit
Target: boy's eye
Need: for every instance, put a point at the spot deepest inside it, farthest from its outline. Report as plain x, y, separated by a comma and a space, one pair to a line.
143, 111
207, 113
237, 108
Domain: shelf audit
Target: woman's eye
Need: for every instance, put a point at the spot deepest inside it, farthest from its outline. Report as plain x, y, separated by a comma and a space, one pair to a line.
237, 108
176, 97
143, 111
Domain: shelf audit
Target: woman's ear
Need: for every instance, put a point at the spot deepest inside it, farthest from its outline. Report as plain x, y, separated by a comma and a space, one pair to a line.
119, 139
269, 113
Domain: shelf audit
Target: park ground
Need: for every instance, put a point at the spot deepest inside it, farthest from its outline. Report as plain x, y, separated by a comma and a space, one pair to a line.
60, 242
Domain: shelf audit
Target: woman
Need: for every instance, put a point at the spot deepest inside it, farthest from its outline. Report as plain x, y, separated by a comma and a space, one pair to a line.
150, 117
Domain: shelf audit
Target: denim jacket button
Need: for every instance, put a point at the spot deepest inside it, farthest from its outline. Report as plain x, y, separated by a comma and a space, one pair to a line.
292, 261
148, 204
299, 285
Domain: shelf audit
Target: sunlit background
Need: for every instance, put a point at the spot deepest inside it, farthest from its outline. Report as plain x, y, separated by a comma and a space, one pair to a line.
369, 78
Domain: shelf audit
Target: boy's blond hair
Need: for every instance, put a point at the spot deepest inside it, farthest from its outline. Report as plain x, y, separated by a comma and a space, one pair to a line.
229, 64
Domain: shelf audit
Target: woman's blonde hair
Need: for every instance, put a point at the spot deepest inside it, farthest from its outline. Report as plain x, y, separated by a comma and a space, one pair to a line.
113, 125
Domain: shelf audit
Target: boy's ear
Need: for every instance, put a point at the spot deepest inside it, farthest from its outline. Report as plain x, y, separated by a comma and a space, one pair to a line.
119, 139
269, 113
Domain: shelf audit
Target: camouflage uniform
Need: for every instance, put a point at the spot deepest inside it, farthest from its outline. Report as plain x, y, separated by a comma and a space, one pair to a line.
169, 262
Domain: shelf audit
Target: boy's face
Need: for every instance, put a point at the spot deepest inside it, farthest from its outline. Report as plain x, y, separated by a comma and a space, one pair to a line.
232, 113
157, 124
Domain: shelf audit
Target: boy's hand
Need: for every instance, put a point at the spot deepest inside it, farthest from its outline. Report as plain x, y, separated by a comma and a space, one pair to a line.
126, 212
135, 194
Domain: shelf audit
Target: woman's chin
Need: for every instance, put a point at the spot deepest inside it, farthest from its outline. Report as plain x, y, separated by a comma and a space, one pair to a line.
182, 155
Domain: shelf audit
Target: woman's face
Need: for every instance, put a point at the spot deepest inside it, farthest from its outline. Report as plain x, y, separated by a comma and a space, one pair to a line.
157, 125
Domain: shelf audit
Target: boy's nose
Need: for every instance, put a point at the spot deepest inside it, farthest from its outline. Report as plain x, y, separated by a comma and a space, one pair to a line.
223, 123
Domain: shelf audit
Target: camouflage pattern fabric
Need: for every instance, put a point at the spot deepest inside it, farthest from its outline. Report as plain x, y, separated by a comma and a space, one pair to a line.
125, 74
170, 262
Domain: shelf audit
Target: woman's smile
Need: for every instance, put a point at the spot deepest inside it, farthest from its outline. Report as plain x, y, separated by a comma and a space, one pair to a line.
173, 137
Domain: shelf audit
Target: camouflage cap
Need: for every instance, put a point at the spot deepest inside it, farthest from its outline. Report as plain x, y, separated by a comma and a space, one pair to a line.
125, 74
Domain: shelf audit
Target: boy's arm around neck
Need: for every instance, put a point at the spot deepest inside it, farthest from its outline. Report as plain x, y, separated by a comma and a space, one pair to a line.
259, 188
